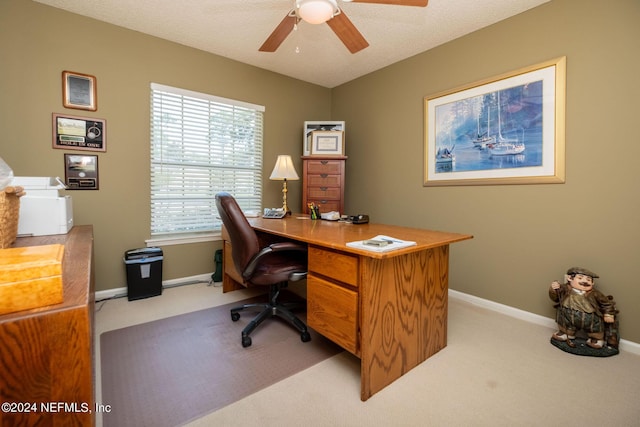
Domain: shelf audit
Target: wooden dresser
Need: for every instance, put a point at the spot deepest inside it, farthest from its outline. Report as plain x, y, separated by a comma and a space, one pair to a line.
46, 353
323, 183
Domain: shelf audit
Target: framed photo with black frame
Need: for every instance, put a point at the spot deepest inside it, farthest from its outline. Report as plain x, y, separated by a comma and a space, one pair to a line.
81, 172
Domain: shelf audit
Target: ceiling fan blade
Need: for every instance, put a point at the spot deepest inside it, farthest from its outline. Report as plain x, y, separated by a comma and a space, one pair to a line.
347, 32
279, 34
421, 3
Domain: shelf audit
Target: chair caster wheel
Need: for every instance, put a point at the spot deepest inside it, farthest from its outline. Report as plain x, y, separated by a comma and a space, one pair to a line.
235, 316
246, 342
305, 337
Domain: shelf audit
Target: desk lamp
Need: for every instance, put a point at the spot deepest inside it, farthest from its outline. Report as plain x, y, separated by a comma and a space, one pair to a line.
282, 171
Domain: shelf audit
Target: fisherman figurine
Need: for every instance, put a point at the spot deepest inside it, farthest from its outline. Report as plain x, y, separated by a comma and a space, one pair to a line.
581, 309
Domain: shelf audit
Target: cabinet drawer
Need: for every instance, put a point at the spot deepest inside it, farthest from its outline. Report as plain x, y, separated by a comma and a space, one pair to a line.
336, 265
324, 180
333, 312
329, 193
325, 166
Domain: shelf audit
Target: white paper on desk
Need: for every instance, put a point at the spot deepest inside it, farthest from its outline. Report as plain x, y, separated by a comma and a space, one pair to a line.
395, 244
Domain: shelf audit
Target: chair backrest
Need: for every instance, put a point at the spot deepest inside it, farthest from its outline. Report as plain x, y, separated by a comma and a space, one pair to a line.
243, 237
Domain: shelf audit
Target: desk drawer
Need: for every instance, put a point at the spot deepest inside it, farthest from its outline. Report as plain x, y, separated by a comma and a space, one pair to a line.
332, 311
336, 265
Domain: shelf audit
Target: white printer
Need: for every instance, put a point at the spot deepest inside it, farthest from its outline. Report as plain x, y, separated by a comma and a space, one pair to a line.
43, 211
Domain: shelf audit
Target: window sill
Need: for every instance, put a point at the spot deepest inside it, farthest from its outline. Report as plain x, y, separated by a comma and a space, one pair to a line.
183, 239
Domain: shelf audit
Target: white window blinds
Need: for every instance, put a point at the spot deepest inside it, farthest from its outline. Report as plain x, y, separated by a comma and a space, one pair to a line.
200, 145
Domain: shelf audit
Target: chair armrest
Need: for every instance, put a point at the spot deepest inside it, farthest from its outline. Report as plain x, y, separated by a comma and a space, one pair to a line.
272, 248
284, 246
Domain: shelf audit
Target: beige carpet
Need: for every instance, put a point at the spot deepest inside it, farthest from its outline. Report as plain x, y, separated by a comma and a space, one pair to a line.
170, 371
495, 371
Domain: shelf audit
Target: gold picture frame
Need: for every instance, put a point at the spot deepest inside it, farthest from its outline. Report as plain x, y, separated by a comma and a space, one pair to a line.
79, 91
508, 129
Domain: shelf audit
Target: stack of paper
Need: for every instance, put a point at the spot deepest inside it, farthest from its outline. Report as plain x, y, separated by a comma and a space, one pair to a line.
392, 245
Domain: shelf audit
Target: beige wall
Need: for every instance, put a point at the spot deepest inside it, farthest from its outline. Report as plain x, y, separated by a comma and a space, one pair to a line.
525, 235
38, 42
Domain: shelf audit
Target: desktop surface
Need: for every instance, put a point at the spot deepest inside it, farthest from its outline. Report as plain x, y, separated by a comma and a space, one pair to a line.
336, 234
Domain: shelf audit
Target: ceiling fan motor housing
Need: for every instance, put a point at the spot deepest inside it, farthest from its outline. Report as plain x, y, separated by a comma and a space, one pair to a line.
316, 11
327, 11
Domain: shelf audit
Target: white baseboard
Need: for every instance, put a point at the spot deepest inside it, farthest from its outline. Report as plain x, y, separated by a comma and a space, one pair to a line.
625, 345
122, 292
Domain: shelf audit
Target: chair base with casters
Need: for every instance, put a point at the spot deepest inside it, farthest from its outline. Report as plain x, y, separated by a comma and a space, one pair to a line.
271, 309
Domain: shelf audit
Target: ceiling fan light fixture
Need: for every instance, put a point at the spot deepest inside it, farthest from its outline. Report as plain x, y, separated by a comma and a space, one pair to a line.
316, 11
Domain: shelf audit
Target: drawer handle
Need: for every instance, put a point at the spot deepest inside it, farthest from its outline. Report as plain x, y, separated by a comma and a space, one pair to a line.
323, 188
324, 162
324, 175
324, 202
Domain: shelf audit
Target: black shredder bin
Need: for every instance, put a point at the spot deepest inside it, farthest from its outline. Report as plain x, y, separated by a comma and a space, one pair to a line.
144, 272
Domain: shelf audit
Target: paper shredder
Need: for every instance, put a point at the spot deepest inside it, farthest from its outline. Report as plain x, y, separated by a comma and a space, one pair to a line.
144, 272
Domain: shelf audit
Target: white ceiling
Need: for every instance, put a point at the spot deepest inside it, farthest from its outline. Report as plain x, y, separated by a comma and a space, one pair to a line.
237, 28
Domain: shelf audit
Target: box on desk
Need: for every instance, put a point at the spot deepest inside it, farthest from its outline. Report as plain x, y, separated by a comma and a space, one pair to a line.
30, 277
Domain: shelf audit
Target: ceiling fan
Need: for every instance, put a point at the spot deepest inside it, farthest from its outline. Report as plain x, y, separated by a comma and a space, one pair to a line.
321, 11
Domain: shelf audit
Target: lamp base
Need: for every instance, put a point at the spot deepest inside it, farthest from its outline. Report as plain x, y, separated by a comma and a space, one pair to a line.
285, 208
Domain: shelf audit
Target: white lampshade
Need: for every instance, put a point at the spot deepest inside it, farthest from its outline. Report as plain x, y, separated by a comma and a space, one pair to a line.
284, 169
316, 11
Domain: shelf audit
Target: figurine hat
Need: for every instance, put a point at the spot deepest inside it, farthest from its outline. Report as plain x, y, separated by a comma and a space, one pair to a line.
580, 270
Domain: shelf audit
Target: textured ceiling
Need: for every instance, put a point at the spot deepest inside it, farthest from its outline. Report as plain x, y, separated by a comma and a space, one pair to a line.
237, 28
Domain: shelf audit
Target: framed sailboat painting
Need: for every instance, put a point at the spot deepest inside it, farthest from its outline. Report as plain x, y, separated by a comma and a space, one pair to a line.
508, 129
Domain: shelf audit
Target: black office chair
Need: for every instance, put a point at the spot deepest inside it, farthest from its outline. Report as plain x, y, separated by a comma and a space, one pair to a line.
274, 266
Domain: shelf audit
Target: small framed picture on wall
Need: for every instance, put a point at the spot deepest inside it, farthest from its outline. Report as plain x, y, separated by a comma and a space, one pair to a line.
79, 91
81, 171
79, 133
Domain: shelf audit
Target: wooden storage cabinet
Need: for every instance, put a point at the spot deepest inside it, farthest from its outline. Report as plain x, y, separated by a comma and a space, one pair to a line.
47, 353
323, 183
332, 297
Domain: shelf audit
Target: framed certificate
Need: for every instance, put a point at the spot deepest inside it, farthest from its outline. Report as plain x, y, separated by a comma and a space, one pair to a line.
327, 143
313, 126
79, 133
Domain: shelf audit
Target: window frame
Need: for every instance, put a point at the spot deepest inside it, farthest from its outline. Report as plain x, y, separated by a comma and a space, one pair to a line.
191, 122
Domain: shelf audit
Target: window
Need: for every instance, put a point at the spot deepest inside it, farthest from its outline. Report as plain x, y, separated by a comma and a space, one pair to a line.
200, 145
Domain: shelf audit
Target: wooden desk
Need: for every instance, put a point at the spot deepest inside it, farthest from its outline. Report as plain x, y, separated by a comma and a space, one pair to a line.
389, 309
46, 353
